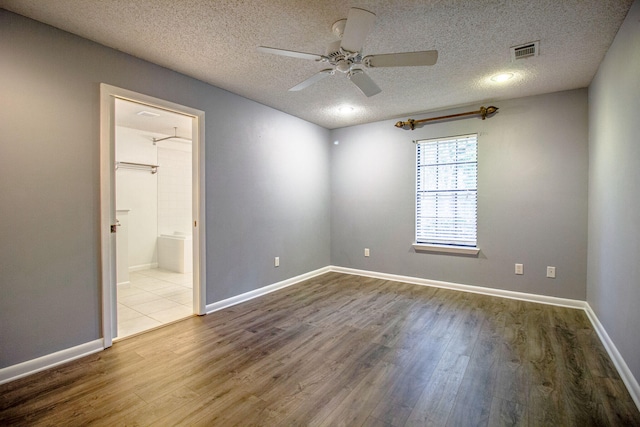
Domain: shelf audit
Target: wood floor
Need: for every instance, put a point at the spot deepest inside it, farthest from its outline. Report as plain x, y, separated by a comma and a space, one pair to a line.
342, 350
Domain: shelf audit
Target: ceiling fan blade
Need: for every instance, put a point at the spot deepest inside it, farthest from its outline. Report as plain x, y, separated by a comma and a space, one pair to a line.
291, 53
311, 80
364, 82
359, 24
407, 59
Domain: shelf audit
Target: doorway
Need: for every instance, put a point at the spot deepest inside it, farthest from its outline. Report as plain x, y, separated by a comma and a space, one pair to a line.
154, 256
152, 200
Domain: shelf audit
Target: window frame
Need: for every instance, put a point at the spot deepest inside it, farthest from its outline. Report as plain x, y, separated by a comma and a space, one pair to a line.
435, 246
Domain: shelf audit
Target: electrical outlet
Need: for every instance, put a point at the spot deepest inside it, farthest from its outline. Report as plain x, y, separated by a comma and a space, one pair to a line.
277, 262
551, 272
519, 269
366, 251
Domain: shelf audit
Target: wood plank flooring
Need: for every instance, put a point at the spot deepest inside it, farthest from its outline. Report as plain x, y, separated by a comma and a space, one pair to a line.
341, 350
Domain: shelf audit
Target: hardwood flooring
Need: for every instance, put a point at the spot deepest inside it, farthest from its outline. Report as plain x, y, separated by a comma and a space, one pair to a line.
342, 350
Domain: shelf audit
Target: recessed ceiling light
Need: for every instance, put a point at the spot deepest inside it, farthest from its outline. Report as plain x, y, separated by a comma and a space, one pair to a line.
147, 114
345, 109
502, 77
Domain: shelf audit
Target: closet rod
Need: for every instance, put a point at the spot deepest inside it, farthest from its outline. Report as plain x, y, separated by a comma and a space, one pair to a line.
131, 165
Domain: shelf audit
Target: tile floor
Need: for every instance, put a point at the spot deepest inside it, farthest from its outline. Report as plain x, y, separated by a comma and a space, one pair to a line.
153, 297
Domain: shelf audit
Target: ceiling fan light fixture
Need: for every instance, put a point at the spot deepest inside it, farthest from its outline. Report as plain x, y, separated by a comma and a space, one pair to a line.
343, 66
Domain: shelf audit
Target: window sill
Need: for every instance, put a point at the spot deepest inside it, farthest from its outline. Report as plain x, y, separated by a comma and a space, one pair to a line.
446, 249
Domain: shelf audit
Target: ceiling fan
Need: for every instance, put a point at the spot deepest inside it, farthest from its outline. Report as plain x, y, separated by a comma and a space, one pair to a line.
345, 55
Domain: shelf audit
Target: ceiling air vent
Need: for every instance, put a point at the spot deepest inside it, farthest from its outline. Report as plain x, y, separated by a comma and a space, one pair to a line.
526, 50
144, 113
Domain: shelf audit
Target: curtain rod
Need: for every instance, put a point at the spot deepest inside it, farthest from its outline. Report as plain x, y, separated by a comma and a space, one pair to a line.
175, 135
484, 112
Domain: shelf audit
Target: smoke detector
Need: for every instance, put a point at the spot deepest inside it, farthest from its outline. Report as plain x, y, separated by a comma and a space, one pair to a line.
526, 50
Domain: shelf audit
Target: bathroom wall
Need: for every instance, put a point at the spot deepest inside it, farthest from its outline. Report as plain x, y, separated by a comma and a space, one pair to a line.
137, 191
158, 203
174, 187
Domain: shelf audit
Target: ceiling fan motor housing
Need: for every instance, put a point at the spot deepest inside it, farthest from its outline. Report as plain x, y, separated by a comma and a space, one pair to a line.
341, 59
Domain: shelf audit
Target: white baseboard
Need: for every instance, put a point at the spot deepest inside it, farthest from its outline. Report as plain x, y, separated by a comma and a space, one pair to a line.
143, 267
29, 367
542, 299
219, 305
622, 367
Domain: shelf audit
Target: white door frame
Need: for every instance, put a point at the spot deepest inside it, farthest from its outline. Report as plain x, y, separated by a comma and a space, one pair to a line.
108, 95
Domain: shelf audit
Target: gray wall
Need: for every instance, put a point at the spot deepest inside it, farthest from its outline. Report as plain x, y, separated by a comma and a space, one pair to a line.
532, 190
264, 198
613, 286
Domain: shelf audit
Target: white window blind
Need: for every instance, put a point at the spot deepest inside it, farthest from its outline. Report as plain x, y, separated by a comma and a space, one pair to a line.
446, 191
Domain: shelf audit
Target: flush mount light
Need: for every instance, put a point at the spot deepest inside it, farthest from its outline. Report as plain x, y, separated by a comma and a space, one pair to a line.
147, 114
346, 109
502, 77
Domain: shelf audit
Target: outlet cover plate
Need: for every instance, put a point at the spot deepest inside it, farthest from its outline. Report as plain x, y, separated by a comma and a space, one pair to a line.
551, 272
519, 269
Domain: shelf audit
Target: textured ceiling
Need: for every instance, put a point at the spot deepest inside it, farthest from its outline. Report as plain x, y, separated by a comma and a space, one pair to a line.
215, 41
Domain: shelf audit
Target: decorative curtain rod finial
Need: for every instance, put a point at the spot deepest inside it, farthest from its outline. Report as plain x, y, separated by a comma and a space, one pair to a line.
409, 122
484, 112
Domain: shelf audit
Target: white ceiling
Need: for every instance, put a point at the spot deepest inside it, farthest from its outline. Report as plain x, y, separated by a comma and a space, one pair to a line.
215, 41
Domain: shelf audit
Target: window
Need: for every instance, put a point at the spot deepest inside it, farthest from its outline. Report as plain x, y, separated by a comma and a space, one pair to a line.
446, 191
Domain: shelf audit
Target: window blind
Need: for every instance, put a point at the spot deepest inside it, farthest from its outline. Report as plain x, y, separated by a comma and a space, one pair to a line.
446, 191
